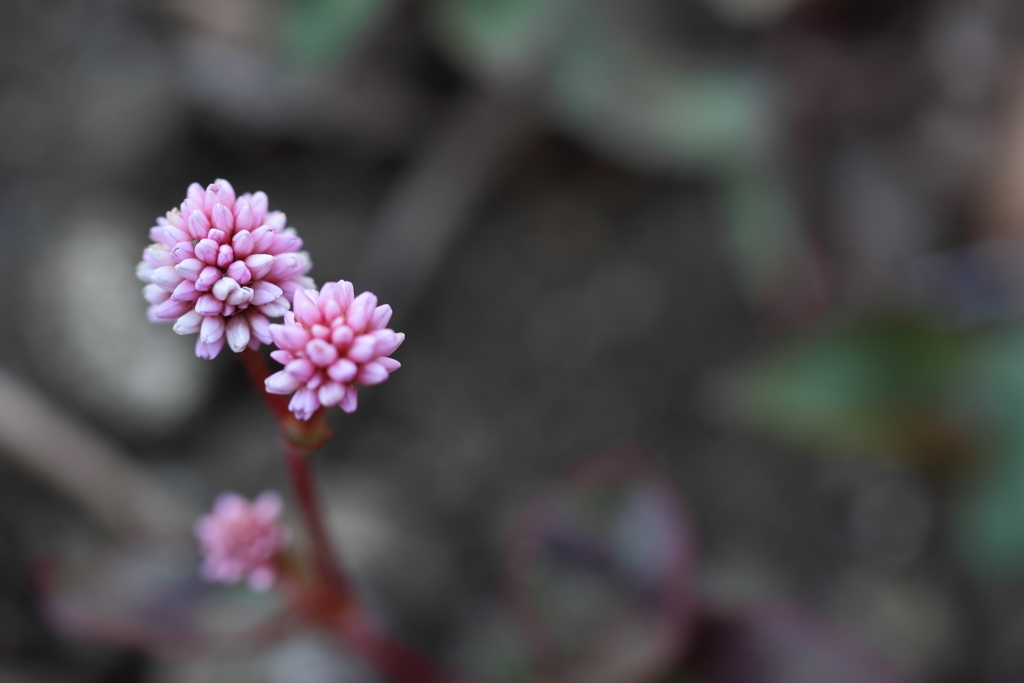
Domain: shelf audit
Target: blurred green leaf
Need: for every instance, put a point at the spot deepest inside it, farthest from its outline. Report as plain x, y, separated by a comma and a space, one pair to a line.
503, 38
635, 103
318, 33
881, 385
992, 517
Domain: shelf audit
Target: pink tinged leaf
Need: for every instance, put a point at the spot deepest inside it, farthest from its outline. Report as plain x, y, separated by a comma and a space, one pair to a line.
224, 287
158, 255
166, 277
209, 305
190, 268
237, 331
206, 251
227, 193
290, 337
282, 356
275, 309
390, 364
182, 251
284, 243
372, 373
780, 644
259, 204
363, 349
243, 216
196, 193
259, 265
170, 309
144, 271
212, 329
239, 297
619, 528
342, 336
239, 273
155, 294
260, 325
301, 369
331, 393
222, 219
208, 277
306, 310
218, 236
189, 323
351, 400
209, 351
242, 244
264, 292
285, 266
388, 341
304, 403
343, 371
277, 220
360, 311
281, 383
321, 353
381, 317
198, 225
185, 291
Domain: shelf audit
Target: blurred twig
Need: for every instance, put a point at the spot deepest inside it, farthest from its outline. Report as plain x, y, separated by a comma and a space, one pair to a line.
81, 464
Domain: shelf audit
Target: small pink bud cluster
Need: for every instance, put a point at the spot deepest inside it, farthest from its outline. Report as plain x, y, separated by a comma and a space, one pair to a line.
221, 266
329, 342
240, 540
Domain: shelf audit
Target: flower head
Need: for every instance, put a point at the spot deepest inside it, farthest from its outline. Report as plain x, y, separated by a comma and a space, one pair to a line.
329, 342
221, 266
240, 539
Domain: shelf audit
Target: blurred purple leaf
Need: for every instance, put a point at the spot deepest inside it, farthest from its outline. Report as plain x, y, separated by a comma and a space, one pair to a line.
151, 597
602, 572
779, 644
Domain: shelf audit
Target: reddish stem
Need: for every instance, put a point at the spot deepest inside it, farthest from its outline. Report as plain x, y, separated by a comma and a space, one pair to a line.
300, 474
331, 601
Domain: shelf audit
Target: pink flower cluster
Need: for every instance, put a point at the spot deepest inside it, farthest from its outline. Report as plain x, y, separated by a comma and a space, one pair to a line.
331, 340
221, 266
240, 539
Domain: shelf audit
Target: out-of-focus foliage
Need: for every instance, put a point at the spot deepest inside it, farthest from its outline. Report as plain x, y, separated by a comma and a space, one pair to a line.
638, 100
319, 33
902, 386
883, 385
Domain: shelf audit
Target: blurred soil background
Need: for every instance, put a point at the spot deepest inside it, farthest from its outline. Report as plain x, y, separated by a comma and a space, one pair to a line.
595, 220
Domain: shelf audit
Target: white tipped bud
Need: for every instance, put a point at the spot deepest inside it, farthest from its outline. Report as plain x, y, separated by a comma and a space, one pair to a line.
188, 323
237, 333
212, 329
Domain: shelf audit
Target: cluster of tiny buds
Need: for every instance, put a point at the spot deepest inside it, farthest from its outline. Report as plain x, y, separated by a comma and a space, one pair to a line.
222, 266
